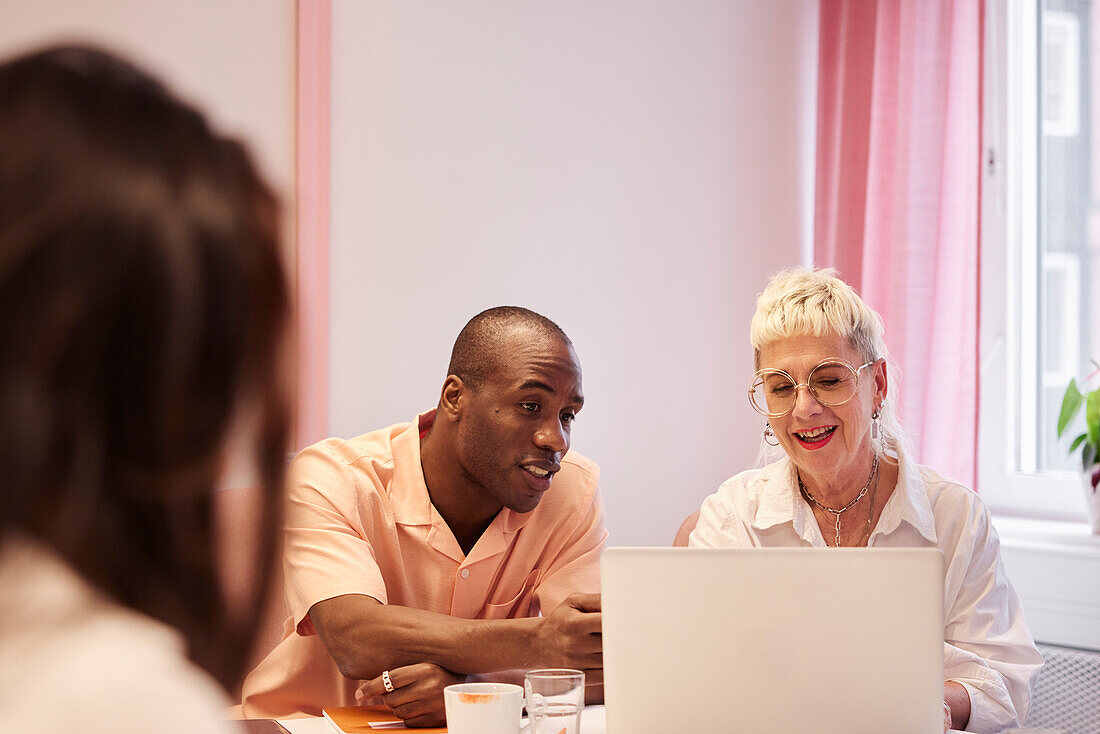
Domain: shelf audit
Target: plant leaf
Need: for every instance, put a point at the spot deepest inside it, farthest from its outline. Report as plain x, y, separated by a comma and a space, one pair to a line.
1092, 418
1088, 457
1071, 403
1077, 442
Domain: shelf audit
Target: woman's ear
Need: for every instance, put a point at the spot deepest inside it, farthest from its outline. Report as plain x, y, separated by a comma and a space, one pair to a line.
882, 382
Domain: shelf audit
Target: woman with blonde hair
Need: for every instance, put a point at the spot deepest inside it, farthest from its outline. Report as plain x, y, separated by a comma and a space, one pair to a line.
845, 480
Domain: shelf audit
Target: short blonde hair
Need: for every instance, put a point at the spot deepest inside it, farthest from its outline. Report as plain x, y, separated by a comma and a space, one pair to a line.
800, 302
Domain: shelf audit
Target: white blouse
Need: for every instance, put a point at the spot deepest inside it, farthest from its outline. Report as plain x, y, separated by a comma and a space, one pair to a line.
72, 660
987, 645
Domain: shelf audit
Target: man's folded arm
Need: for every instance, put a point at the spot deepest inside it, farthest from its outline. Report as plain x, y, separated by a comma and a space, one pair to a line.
365, 637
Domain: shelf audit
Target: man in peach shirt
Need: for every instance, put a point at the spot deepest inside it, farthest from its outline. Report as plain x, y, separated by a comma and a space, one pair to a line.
425, 552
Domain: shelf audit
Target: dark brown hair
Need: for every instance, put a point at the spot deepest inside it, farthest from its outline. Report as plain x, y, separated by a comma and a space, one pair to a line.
142, 308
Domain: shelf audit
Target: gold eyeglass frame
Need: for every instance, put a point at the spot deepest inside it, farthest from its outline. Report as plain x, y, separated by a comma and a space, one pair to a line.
772, 371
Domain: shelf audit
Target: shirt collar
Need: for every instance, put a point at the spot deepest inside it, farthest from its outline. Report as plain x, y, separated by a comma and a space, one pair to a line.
412, 504
909, 503
780, 502
408, 492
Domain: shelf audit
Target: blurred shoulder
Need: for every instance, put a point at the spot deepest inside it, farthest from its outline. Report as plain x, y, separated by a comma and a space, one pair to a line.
136, 672
121, 671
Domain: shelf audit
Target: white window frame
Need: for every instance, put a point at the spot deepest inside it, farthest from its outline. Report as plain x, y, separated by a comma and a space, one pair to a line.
1007, 476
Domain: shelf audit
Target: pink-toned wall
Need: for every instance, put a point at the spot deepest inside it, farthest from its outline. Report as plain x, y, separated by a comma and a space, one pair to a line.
314, 113
244, 62
234, 59
633, 169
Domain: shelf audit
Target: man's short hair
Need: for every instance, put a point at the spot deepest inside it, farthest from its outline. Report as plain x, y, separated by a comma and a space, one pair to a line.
475, 354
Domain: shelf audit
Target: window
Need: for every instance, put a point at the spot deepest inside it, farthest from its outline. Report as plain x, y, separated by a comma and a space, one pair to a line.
1040, 246
1060, 65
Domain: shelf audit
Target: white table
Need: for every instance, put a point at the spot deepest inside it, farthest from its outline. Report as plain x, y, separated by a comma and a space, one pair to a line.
593, 721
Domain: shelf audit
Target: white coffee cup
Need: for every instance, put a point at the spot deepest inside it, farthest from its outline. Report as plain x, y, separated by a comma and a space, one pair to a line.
483, 708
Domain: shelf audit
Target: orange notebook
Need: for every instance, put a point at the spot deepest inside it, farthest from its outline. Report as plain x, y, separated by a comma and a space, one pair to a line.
358, 720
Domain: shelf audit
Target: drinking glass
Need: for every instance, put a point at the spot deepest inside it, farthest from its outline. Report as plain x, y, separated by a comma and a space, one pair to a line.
555, 699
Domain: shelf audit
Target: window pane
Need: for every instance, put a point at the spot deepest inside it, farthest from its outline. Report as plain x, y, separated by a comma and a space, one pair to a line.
1069, 206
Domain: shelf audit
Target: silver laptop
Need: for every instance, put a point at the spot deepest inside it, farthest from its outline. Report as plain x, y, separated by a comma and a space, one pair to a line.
773, 641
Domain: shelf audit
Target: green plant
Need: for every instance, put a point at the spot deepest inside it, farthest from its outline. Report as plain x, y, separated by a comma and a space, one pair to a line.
1089, 441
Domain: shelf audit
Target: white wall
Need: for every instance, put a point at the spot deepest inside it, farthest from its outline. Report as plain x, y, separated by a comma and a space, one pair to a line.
233, 58
633, 169
1055, 568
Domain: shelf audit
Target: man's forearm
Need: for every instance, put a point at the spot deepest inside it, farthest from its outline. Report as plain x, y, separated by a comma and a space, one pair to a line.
460, 645
365, 637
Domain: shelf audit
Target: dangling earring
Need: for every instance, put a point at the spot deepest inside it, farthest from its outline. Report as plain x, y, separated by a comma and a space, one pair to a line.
769, 433
877, 433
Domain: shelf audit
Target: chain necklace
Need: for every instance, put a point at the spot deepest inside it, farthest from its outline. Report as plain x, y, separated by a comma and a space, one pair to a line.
866, 537
835, 512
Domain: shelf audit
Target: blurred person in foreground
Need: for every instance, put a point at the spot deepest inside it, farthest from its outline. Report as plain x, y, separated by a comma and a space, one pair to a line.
143, 313
846, 480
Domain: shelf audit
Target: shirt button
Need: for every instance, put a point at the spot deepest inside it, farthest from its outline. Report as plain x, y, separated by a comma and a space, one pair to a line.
465, 573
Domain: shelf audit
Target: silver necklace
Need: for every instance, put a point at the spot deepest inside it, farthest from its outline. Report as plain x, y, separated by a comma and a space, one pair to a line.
865, 539
870, 514
835, 512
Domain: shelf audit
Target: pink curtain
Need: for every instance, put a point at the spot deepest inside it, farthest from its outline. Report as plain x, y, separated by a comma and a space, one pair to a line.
897, 199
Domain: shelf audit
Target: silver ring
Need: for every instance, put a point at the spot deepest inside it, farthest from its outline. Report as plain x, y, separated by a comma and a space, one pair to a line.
386, 682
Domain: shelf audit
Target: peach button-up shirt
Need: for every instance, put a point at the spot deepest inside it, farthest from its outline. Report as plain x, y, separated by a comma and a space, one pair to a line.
360, 521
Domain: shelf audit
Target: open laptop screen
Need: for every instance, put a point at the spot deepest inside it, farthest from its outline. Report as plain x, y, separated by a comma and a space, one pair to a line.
773, 641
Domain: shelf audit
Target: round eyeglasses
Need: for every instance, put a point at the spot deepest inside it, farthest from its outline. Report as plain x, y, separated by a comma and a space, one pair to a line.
832, 382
